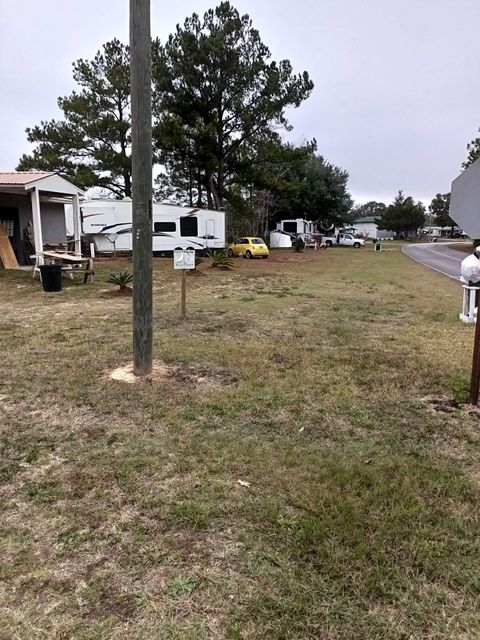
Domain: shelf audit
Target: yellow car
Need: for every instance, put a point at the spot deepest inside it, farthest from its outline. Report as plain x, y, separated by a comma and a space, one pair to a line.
248, 248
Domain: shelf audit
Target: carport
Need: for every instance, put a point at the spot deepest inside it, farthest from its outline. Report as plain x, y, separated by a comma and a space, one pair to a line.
33, 203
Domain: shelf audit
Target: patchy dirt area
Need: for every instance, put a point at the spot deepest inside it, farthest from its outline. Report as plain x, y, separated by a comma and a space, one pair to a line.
292, 257
444, 404
190, 375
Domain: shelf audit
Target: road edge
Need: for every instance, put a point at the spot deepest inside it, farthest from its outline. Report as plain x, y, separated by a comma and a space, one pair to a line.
404, 246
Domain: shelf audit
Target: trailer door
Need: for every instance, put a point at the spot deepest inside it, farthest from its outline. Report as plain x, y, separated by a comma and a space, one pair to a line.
210, 233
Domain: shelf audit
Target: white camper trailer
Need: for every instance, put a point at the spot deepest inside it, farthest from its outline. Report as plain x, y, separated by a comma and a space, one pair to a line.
297, 227
108, 224
289, 230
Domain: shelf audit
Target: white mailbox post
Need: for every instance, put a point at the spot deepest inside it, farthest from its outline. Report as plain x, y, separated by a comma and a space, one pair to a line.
184, 259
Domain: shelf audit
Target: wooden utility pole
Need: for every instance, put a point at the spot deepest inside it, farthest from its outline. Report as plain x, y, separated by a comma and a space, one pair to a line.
141, 101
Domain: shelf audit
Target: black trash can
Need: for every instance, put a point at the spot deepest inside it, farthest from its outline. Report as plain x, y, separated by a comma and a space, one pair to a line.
51, 277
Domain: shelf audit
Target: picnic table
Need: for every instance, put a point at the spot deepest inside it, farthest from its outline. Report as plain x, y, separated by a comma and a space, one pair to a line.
71, 263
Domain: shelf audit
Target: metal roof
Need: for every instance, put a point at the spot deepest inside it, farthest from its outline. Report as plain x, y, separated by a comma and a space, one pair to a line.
47, 182
367, 219
22, 177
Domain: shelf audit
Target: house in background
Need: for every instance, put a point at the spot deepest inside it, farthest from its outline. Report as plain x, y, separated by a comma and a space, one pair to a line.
32, 211
368, 228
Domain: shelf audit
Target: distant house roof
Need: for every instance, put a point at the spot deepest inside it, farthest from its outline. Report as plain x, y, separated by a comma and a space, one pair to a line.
22, 177
48, 182
367, 219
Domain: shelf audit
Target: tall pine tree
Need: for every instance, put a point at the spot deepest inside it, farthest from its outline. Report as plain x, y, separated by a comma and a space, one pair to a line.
92, 142
216, 90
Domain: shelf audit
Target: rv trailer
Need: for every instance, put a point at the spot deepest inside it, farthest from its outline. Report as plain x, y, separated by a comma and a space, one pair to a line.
108, 224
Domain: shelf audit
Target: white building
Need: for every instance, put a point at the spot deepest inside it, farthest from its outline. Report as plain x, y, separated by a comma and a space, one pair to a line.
368, 228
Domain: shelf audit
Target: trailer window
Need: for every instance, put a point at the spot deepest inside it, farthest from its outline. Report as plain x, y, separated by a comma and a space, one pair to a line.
188, 226
290, 227
164, 226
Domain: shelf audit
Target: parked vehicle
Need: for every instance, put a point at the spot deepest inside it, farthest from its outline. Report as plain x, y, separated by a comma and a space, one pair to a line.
108, 224
249, 248
345, 240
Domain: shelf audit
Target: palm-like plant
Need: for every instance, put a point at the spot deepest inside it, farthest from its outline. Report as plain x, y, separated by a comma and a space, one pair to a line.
299, 245
220, 259
122, 279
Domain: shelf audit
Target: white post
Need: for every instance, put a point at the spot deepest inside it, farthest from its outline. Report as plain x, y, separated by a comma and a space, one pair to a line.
77, 225
37, 224
469, 304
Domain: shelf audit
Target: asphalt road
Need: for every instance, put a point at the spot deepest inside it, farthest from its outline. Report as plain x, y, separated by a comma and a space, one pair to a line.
438, 256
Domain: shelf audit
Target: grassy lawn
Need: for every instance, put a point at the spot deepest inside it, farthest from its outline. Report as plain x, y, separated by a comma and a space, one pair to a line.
316, 381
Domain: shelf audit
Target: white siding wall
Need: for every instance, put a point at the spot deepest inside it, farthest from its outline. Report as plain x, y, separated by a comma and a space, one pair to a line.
366, 229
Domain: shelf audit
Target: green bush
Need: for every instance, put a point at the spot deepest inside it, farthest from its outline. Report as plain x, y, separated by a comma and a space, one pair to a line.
220, 259
299, 245
122, 279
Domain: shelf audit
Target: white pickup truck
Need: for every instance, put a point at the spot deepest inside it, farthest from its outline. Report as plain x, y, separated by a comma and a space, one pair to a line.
344, 240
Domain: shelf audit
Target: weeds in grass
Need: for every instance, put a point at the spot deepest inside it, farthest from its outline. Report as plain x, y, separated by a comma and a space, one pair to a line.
181, 585
461, 389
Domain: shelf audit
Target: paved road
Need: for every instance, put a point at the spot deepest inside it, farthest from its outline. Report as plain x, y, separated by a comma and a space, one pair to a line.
438, 256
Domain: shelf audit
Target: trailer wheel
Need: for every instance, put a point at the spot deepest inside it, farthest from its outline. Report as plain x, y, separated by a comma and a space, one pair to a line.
357, 245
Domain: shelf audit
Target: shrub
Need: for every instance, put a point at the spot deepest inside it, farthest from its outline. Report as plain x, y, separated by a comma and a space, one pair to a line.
299, 245
122, 279
221, 260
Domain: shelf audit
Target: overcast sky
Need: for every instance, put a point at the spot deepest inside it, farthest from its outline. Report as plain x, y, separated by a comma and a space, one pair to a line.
397, 82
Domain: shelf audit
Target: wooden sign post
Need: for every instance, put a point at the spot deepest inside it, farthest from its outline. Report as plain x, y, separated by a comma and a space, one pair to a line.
184, 260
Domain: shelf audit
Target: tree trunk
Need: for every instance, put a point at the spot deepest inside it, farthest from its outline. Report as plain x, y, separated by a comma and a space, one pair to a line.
190, 185
212, 191
220, 183
209, 193
127, 179
199, 191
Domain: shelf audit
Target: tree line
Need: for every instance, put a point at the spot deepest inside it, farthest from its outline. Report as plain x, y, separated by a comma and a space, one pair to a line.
219, 104
404, 216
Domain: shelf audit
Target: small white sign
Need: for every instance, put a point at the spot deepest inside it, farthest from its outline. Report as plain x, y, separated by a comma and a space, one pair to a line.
184, 259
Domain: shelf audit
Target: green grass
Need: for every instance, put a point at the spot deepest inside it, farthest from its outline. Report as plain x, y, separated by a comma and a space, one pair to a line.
333, 386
